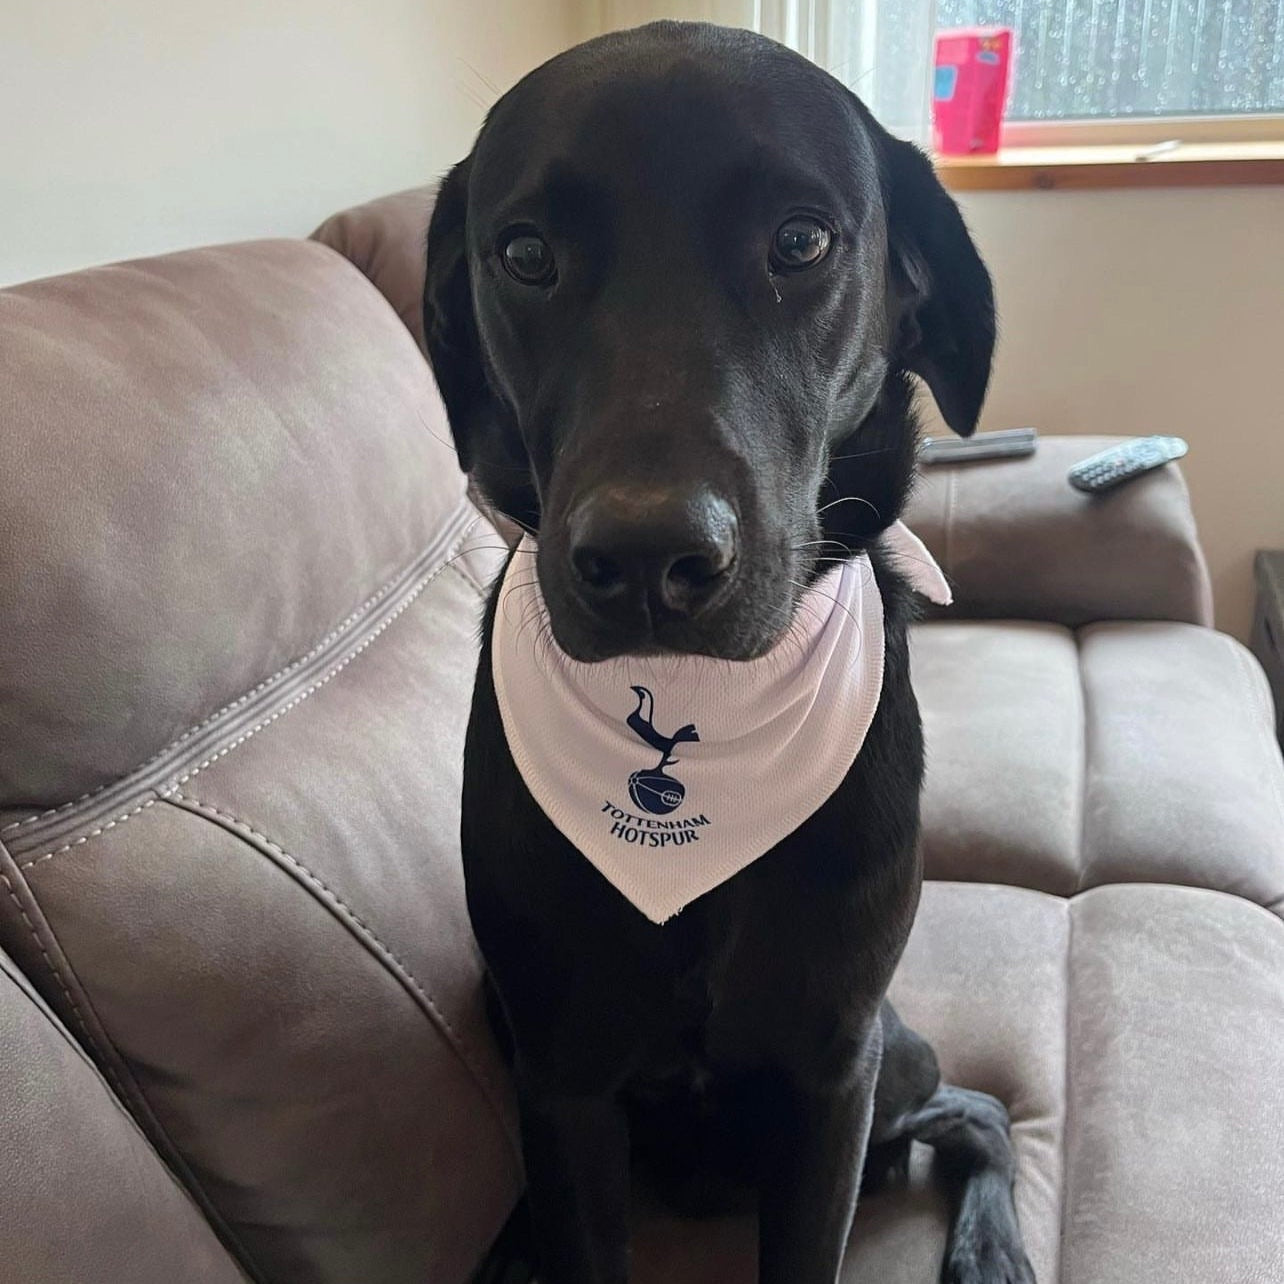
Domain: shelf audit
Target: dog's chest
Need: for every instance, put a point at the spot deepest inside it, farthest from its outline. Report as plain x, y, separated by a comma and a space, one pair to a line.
687, 1051
718, 985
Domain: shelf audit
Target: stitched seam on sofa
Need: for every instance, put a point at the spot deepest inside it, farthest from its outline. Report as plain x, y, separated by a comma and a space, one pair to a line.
408, 601
93, 833
363, 933
344, 626
57, 975
463, 568
99, 1042
468, 578
22, 983
458, 562
160, 783
1085, 764
1067, 1173
1256, 696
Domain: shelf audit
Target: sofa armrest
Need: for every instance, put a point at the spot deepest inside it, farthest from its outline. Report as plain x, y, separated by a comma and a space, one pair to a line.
387, 239
1018, 542
82, 1195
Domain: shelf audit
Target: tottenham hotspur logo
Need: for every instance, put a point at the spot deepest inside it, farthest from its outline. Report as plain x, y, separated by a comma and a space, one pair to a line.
655, 790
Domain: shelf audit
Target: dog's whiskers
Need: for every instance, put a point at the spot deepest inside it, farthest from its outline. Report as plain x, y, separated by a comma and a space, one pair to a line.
860, 454
483, 548
838, 544
521, 525
809, 589
850, 499
437, 437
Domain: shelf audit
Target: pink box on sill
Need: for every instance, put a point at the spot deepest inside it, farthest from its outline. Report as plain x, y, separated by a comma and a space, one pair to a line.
970, 89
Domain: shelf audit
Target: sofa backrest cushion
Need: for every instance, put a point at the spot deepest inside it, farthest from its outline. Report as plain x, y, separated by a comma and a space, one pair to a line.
240, 588
208, 461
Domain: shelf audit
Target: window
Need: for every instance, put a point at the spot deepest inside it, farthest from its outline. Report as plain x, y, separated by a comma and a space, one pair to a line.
1125, 61
1086, 59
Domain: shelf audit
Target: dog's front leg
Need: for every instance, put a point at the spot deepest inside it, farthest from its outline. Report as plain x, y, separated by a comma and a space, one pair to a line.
816, 1139
577, 1175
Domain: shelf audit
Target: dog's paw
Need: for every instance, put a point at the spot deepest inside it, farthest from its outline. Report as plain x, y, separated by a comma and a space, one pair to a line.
987, 1260
985, 1246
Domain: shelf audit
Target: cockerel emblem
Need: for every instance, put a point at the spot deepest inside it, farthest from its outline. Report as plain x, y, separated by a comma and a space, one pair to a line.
653, 789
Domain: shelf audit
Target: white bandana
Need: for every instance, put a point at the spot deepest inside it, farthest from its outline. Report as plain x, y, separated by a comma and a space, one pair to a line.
672, 773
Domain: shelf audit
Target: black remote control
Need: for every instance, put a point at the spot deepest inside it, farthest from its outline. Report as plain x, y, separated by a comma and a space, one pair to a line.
1119, 464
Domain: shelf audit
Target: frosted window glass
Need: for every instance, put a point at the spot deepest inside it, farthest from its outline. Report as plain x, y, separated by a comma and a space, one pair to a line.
1091, 58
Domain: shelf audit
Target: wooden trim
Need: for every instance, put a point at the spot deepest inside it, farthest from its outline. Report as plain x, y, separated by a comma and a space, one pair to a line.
1143, 131
1049, 168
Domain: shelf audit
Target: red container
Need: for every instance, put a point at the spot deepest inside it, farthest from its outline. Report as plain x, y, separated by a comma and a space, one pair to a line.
970, 89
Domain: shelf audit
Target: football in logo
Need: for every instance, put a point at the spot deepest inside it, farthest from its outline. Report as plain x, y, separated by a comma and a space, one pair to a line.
656, 792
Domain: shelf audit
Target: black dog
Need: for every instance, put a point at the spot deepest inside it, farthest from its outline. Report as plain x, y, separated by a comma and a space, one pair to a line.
675, 297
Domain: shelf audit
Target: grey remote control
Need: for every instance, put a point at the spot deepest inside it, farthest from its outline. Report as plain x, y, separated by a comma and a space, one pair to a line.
1119, 464
1007, 443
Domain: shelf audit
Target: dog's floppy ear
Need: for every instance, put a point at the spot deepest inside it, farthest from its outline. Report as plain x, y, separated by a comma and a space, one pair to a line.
487, 442
941, 289
450, 325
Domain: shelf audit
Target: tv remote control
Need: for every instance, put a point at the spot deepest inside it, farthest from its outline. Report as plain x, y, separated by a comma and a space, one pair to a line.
1119, 464
1007, 443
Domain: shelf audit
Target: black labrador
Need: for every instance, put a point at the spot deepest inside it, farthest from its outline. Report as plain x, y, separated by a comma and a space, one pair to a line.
685, 262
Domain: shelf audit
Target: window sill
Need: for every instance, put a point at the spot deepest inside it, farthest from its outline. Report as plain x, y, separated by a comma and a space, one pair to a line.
1078, 168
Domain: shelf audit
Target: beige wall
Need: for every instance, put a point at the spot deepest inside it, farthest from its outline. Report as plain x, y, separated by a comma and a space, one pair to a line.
612, 15
137, 126
1160, 311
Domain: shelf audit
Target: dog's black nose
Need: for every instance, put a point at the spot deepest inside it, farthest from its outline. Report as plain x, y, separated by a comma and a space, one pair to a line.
672, 548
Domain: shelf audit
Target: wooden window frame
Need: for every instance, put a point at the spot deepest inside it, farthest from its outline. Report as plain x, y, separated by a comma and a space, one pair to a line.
1173, 151
1143, 131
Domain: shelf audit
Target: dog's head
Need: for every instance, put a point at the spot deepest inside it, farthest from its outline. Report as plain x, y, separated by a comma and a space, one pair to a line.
674, 298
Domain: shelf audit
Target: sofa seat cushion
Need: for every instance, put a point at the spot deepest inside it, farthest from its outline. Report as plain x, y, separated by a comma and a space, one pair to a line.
1062, 760
1136, 1034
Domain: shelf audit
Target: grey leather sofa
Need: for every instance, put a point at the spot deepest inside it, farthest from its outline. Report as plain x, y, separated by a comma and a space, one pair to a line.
241, 1032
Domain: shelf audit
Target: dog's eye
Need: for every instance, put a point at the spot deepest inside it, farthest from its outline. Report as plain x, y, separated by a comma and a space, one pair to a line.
799, 243
528, 259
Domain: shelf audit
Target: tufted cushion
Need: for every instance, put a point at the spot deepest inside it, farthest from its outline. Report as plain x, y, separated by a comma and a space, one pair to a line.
1137, 1036
1061, 760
